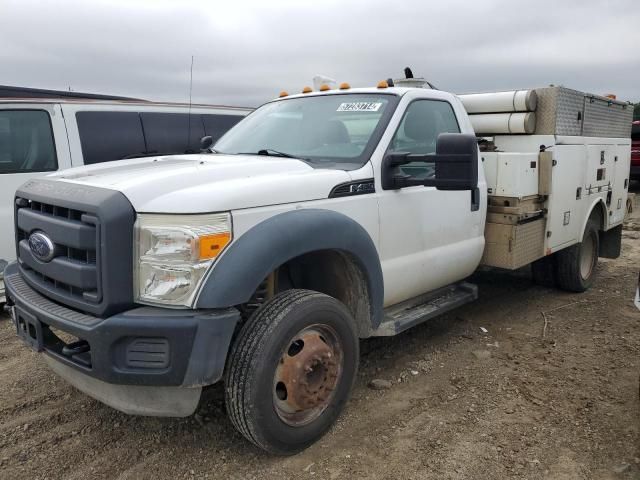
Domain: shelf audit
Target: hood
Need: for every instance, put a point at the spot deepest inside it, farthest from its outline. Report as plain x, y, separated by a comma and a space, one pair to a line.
209, 183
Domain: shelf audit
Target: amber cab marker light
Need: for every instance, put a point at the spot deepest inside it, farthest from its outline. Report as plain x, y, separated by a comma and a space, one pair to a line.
611, 96
324, 87
345, 86
283, 94
383, 84
307, 90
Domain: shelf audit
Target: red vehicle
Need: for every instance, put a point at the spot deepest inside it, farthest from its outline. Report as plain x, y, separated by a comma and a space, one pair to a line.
635, 150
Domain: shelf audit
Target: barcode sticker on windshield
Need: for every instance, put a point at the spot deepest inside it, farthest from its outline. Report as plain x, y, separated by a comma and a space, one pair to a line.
359, 107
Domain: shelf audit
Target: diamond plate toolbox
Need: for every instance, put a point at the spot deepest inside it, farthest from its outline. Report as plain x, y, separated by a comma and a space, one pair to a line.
563, 111
513, 246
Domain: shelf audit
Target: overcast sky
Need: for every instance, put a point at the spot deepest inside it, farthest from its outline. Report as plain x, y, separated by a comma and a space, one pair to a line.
246, 52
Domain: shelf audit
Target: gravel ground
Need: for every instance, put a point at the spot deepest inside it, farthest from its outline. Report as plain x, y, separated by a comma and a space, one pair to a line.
456, 402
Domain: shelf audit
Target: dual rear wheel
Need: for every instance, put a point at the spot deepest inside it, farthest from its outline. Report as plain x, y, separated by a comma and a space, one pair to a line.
573, 268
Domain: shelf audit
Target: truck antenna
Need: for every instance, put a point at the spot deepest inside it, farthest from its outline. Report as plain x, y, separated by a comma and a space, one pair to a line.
190, 92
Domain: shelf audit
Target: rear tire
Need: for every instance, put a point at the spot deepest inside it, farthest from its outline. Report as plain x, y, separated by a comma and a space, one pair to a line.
284, 405
576, 270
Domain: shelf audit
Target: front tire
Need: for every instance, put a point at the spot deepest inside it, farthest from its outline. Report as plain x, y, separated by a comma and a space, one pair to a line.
291, 370
577, 264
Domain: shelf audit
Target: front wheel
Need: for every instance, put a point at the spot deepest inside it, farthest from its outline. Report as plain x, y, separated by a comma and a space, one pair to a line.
291, 370
577, 264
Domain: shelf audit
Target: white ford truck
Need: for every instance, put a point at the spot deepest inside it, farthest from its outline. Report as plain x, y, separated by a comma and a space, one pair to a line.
320, 219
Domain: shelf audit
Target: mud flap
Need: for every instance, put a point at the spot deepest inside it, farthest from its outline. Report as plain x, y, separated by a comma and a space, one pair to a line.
611, 243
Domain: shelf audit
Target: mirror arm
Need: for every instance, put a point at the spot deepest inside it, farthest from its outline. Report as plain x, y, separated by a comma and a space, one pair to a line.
399, 159
455, 161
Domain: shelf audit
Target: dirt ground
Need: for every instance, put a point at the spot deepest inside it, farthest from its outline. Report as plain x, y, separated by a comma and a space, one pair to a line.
464, 403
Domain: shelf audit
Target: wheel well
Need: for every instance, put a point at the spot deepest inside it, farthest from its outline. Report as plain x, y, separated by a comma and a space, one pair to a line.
598, 215
332, 272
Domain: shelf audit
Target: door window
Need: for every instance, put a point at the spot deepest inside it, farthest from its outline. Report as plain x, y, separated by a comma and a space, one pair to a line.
418, 133
108, 136
168, 133
26, 142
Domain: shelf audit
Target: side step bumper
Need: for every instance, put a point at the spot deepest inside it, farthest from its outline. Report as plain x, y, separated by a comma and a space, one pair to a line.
417, 310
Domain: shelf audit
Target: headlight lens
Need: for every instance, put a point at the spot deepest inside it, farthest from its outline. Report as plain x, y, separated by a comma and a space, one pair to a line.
173, 253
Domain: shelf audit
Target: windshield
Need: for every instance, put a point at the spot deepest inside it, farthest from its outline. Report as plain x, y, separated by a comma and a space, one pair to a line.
324, 130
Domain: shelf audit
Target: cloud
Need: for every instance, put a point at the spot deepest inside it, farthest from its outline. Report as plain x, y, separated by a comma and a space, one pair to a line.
247, 51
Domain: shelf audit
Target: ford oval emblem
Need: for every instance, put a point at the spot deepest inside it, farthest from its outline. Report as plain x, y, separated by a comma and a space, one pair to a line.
41, 246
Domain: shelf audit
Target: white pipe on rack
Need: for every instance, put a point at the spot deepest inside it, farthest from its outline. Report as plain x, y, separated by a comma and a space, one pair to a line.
500, 102
504, 123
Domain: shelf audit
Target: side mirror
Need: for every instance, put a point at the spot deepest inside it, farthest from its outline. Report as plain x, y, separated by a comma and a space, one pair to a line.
456, 162
454, 165
205, 143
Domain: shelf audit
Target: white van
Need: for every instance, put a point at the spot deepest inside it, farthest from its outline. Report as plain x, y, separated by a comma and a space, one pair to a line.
42, 131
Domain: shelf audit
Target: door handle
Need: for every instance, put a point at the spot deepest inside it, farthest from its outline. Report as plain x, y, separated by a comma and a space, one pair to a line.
475, 199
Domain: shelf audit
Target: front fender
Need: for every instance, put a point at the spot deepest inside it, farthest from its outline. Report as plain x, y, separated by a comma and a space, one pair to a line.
237, 274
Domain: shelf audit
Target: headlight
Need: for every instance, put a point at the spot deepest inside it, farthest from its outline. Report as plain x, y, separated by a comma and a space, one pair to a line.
172, 254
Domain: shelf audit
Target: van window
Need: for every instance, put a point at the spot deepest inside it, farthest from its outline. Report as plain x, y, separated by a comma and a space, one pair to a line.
171, 133
107, 136
217, 125
26, 142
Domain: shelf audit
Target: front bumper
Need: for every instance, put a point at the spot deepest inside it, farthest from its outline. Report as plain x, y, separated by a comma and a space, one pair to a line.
121, 359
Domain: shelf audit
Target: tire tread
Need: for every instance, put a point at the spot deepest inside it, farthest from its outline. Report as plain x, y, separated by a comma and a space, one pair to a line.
568, 265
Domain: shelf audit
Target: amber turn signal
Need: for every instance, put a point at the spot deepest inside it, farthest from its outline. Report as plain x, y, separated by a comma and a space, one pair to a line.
212, 245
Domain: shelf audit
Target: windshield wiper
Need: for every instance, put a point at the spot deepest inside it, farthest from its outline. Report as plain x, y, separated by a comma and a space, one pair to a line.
275, 153
158, 154
270, 152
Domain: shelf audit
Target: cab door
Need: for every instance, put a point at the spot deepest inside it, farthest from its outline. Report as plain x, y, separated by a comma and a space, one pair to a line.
429, 238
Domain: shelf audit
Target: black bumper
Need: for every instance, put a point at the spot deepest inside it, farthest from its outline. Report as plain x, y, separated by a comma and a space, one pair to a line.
145, 346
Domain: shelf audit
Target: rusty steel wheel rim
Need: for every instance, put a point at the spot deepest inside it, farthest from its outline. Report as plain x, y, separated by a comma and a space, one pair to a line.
308, 372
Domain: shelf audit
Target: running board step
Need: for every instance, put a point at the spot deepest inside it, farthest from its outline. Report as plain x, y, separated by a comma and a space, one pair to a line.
417, 310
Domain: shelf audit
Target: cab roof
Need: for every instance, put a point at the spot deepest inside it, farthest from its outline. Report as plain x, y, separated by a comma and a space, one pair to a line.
366, 90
